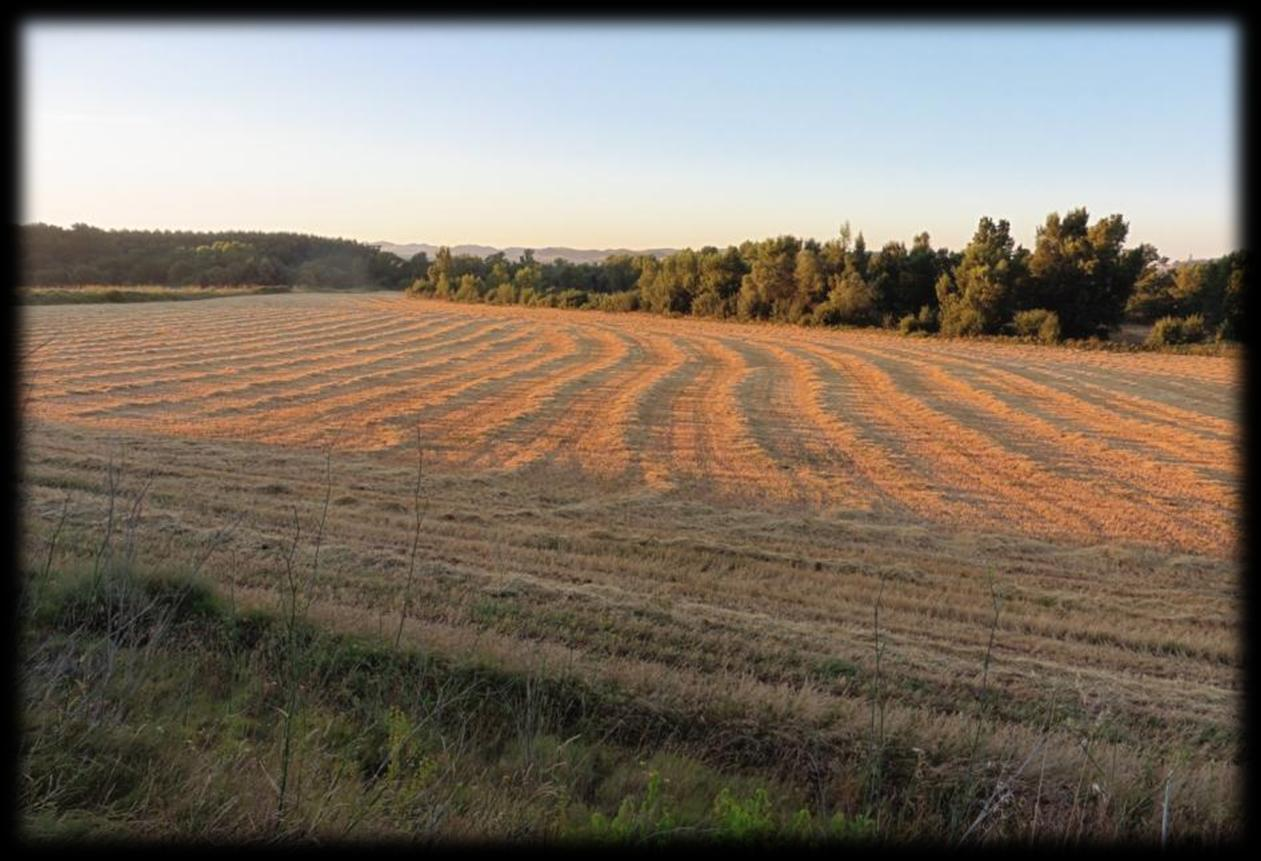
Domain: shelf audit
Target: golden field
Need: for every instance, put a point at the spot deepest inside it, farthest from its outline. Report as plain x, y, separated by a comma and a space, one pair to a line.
705, 514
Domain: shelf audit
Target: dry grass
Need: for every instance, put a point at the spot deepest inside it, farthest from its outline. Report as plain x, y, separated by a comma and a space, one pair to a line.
705, 516
1056, 444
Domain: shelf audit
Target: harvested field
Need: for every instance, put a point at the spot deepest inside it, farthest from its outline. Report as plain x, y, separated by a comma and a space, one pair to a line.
702, 513
1075, 446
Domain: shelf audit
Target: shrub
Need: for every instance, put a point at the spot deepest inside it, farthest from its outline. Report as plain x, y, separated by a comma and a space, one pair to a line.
1178, 330
852, 301
710, 304
960, 319
928, 318
626, 300
924, 321
504, 294
571, 299
1038, 323
469, 290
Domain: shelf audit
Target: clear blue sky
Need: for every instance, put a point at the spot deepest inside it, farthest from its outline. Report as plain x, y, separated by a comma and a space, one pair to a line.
633, 136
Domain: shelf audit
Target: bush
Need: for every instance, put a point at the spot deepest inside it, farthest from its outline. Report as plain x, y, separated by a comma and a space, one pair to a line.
924, 321
928, 318
626, 300
959, 319
571, 299
1038, 323
710, 304
470, 289
1178, 330
504, 294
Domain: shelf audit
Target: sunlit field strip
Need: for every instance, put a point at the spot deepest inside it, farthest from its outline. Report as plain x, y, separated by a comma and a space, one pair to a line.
576, 410
605, 448
278, 368
362, 411
773, 413
373, 372
779, 420
1115, 394
1012, 486
1081, 456
492, 435
1110, 399
208, 407
962, 462
1122, 430
194, 336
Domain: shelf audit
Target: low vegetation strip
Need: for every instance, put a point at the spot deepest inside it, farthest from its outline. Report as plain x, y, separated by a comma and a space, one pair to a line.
148, 714
88, 295
150, 703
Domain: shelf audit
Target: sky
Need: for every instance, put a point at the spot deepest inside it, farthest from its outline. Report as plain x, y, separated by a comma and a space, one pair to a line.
633, 136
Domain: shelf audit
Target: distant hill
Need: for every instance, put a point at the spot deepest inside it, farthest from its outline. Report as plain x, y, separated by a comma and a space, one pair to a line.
543, 255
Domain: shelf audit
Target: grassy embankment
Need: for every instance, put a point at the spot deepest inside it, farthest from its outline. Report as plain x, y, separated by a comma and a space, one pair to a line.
154, 708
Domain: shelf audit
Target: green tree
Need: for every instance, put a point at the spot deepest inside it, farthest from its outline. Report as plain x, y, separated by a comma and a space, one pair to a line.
718, 282
769, 287
980, 296
1083, 272
851, 300
811, 285
470, 289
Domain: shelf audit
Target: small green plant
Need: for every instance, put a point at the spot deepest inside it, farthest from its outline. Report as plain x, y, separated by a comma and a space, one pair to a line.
408, 772
750, 819
633, 822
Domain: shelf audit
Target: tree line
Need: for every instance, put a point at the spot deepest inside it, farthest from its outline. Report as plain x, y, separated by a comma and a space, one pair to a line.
56, 256
1079, 280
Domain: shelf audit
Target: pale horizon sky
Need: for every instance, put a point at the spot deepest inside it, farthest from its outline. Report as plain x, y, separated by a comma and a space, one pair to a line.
634, 136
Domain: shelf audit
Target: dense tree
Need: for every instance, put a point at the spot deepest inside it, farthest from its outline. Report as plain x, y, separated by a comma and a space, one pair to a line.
1084, 272
810, 282
1153, 294
980, 295
1210, 290
851, 301
769, 288
673, 284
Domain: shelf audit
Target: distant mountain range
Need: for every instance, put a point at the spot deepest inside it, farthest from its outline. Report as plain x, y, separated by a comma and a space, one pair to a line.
542, 255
